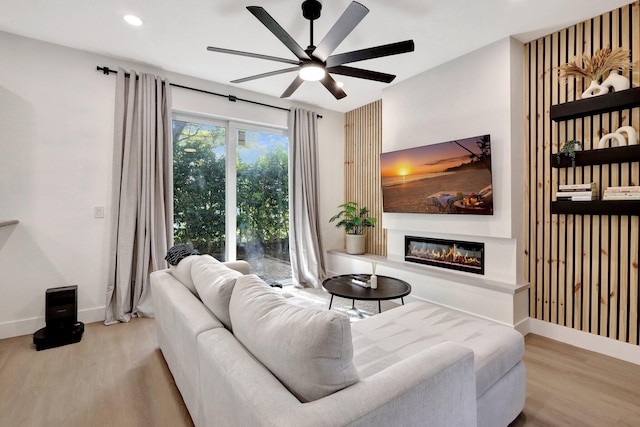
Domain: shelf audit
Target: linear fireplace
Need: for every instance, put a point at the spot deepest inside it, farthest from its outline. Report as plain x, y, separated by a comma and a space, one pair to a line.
453, 254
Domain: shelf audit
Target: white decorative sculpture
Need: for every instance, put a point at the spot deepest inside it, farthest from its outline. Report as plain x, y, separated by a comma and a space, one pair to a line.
614, 137
632, 135
595, 66
616, 81
595, 89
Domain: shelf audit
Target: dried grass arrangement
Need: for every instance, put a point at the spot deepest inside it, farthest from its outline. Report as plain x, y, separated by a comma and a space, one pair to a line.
594, 67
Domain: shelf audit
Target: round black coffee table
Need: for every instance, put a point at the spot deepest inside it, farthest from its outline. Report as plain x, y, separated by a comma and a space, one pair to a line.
388, 288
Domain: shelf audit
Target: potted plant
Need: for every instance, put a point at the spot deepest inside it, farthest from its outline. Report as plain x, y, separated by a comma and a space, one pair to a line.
569, 149
355, 220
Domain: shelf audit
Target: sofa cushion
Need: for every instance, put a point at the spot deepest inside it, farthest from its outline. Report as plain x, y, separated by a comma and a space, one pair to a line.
214, 282
384, 339
182, 272
242, 266
309, 350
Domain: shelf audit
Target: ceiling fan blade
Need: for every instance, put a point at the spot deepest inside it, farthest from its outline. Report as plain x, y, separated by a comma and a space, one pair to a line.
278, 31
361, 74
295, 84
252, 55
351, 17
269, 74
333, 87
370, 53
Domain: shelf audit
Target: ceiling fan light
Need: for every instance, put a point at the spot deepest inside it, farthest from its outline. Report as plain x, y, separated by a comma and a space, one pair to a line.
312, 72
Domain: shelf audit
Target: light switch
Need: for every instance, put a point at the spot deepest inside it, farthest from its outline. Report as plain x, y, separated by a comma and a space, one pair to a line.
98, 211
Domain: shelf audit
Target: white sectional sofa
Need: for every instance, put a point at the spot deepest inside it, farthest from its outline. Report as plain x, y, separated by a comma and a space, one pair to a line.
242, 355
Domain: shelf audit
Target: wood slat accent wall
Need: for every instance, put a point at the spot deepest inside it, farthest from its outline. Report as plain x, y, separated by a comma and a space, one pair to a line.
363, 144
583, 269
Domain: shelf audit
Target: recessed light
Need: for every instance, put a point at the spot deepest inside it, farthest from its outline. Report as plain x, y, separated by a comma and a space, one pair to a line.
133, 20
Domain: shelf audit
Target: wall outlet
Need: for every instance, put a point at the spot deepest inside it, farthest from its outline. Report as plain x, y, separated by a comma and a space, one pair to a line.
98, 211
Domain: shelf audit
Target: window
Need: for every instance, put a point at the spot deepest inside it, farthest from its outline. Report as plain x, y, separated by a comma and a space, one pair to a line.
233, 209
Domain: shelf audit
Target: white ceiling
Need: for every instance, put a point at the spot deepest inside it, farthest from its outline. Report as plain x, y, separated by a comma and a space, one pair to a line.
175, 34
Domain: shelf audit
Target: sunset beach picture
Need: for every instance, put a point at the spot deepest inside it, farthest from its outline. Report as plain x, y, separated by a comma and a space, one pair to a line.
447, 178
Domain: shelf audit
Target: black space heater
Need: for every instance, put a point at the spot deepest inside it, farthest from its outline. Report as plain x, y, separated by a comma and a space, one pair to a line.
61, 319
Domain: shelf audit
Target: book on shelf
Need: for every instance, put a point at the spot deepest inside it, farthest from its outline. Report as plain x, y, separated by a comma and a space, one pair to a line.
576, 193
630, 192
579, 187
577, 198
621, 196
578, 190
627, 189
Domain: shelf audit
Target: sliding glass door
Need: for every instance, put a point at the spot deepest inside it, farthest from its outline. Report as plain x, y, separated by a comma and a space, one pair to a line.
199, 185
262, 201
231, 192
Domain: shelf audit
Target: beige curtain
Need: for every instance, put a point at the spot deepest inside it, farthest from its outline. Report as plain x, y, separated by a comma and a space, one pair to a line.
142, 195
305, 247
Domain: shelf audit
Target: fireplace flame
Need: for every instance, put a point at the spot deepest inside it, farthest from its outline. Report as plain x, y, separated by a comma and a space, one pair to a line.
444, 255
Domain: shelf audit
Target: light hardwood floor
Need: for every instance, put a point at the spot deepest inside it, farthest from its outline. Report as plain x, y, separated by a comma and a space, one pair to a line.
116, 376
569, 386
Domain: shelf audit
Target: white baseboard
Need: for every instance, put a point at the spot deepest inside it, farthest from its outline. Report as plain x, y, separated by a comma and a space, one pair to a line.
522, 326
607, 346
29, 326
91, 315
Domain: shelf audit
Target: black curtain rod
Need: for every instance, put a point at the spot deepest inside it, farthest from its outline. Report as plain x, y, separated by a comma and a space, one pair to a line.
232, 98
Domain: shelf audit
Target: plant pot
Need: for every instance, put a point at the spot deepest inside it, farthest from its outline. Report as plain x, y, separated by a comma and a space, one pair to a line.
356, 244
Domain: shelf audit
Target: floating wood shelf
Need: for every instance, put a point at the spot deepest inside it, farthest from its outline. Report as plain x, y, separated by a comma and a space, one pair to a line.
628, 153
597, 207
597, 105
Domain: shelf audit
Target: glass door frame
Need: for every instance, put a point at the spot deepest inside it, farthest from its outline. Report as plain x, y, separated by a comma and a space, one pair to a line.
231, 200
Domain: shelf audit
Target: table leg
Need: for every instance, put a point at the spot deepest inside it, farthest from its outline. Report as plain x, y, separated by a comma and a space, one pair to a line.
402, 299
330, 302
353, 304
379, 307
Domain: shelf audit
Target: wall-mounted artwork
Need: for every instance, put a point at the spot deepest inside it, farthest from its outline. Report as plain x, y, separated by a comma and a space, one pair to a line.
452, 177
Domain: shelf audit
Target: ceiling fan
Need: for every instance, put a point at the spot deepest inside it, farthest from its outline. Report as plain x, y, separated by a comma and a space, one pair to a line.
315, 63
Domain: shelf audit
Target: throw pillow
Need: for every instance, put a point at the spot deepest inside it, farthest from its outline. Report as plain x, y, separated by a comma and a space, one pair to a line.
179, 252
214, 282
308, 350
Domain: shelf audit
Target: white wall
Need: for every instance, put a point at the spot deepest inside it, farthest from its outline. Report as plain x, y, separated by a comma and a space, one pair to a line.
469, 96
56, 135
476, 94
479, 93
